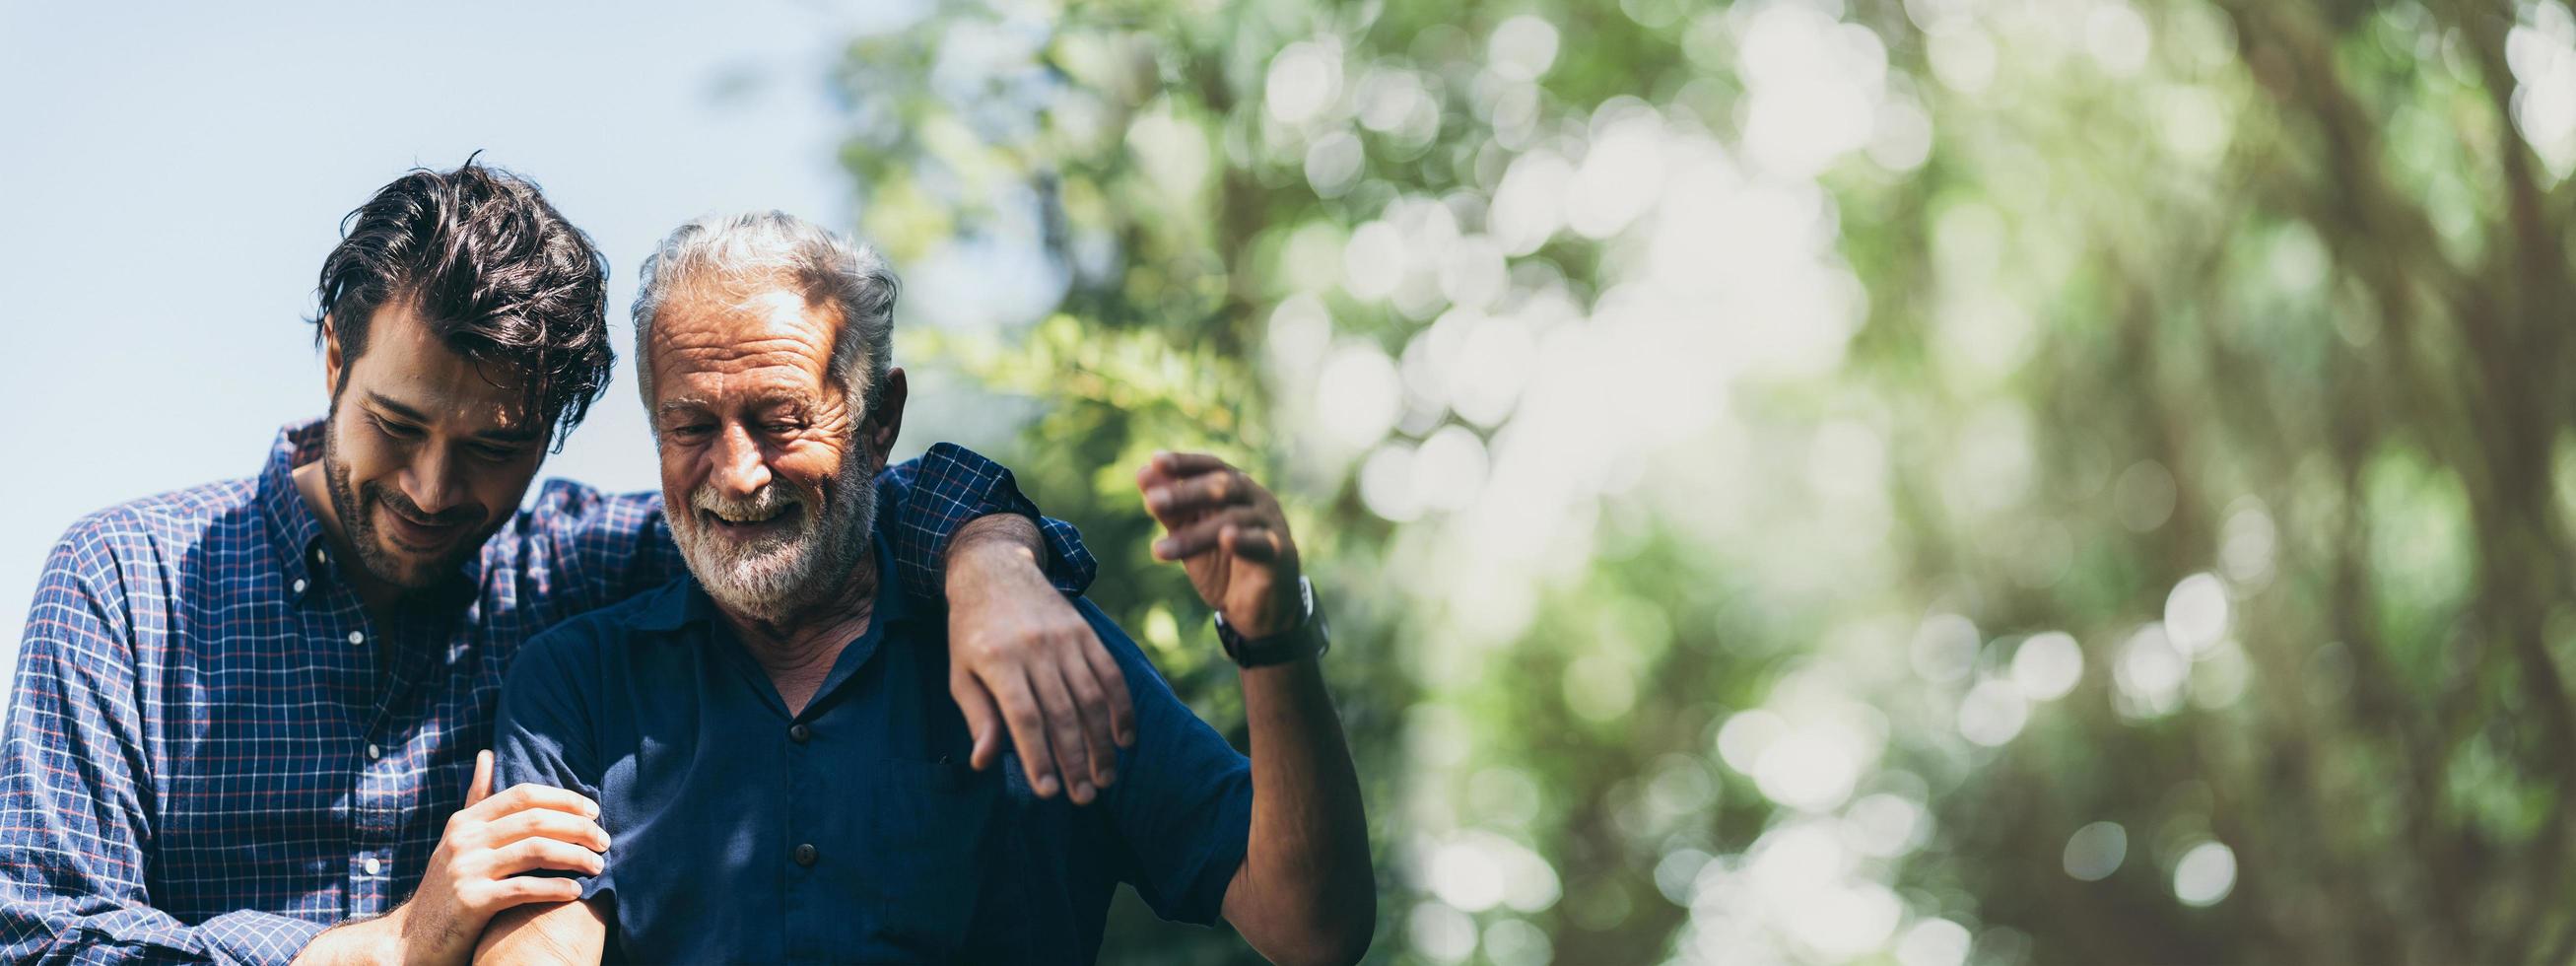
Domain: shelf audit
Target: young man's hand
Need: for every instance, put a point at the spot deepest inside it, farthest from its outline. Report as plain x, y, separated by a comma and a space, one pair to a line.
1022, 658
475, 874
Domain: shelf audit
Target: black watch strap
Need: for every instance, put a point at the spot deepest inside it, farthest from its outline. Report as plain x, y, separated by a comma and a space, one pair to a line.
1306, 639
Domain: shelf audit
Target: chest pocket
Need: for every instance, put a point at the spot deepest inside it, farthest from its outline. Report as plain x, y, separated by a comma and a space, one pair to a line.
929, 857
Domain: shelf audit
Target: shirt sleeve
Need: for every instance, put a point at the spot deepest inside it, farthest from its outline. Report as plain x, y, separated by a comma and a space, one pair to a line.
545, 736
600, 548
938, 493
1183, 802
72, 766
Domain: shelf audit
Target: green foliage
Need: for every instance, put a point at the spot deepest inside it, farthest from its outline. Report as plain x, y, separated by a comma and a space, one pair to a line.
1705, 420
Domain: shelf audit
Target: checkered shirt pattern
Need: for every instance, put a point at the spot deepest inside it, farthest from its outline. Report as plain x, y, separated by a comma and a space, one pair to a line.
214, 752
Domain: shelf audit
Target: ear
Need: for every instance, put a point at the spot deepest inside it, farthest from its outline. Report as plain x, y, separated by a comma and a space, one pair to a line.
331, 359
886, 421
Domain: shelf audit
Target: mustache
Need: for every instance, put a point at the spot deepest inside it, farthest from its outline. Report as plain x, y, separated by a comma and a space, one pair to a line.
762, 502
394, 500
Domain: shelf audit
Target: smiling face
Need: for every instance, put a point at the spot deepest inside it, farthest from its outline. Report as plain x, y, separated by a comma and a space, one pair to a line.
768, 467
424, 455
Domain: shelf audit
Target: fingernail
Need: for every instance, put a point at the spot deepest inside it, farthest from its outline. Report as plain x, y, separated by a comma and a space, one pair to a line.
1109, 776
1046, 787
1162, 548
1082, 791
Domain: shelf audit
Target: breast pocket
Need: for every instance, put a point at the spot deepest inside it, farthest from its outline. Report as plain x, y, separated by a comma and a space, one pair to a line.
932, 847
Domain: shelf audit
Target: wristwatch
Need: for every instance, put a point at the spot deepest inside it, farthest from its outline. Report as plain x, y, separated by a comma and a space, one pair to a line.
1307, 638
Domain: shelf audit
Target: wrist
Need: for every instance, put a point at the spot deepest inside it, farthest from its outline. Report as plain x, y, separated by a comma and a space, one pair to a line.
1295, 633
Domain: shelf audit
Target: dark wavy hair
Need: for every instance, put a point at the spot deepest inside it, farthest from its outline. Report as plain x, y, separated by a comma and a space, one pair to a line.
495, 272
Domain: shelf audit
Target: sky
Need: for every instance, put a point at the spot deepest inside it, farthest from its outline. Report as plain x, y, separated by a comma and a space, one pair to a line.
170, 182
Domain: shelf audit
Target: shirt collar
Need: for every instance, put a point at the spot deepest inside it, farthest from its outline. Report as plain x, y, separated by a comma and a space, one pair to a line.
296, 536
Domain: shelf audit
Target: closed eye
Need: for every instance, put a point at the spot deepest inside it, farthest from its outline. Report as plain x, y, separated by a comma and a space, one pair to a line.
397, 430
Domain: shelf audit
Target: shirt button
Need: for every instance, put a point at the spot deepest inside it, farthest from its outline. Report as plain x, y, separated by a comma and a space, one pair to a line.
805, 854
799, 733
321, 557
374, 753
372, 866
357, 637
299, 586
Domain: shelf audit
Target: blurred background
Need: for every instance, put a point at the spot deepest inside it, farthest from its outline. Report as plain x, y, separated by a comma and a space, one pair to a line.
1814, 481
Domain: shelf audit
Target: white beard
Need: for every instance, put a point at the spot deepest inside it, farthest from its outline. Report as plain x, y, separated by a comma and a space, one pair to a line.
775, 577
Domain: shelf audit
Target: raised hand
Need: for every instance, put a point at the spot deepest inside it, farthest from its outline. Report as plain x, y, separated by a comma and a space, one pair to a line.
1231, 536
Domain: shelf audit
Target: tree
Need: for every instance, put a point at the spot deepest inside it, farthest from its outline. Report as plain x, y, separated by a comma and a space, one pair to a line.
1949, 479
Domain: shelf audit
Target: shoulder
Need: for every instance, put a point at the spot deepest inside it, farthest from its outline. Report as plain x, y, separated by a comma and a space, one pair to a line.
594, 634
167, 524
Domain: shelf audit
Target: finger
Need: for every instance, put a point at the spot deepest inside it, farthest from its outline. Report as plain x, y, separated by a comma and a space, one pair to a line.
1255, 543
481, 787
524, 889
1064, 730
1180, 500
527, 855
1113, 683
1167, 466
983, 720
1203, 535
1186, 464
1028, 731
1091, 701
527, 795
548, 823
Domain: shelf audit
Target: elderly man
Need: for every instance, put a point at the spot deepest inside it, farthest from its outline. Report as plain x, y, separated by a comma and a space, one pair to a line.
246, 711
767, 737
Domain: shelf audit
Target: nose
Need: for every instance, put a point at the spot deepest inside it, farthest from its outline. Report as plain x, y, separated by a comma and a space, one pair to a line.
431, 483
740, 468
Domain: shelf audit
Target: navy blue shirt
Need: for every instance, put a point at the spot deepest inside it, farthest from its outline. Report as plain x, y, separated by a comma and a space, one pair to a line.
854, 831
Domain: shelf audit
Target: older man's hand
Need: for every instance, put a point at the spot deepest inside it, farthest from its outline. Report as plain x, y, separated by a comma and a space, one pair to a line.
1020, 657
1230, 534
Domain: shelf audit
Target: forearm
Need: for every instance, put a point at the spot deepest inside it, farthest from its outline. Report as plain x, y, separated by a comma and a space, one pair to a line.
42, 931
566, 933
1309, 892
994, 539
361, 942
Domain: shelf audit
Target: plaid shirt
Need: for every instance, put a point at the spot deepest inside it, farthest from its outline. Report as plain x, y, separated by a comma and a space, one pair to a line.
214, 752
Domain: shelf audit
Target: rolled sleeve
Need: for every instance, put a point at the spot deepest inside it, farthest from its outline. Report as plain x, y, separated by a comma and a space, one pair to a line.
950, 485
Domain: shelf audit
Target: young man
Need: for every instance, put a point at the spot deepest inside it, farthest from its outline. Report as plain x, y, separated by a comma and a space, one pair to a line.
766, 735
248, 710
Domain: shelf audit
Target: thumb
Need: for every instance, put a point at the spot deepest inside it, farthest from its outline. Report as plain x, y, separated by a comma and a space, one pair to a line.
983, 717
482, 786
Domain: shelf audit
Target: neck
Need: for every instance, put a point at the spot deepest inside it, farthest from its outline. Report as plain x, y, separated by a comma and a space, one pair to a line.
798, 648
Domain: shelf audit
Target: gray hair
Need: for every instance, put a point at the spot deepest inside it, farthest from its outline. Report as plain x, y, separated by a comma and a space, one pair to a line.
724, 255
